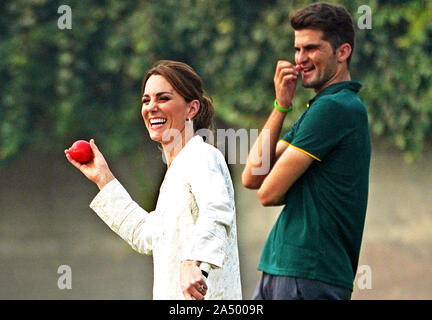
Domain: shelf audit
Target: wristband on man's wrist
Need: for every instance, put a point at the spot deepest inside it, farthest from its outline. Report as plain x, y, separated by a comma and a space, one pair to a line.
281, 109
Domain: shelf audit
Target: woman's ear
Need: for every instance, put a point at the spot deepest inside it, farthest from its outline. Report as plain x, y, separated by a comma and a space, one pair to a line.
194, 107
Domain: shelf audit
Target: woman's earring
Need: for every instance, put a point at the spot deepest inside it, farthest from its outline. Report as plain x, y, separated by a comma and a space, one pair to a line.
189, 128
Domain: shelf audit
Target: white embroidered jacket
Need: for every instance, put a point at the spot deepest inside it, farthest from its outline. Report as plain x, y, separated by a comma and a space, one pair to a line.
194, 219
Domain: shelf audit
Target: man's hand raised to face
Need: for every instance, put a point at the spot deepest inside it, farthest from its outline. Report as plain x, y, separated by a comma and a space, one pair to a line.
285, 81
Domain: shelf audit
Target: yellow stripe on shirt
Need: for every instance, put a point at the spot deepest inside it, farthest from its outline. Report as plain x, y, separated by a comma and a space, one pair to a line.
301, 150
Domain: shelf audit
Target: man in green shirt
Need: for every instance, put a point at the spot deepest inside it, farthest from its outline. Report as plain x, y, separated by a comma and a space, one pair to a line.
319, 170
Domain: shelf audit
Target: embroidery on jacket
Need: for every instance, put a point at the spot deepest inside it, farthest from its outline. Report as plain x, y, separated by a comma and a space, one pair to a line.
194, 209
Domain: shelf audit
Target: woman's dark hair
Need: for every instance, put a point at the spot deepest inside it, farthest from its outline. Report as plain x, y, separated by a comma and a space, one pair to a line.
188, 84
333, 20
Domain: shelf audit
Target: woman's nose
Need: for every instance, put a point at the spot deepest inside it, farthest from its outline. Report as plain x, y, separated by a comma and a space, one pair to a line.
149, 107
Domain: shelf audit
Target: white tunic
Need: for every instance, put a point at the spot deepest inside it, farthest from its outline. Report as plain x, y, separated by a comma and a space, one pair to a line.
194, 219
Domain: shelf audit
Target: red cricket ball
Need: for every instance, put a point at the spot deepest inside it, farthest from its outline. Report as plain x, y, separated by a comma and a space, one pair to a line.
81, 151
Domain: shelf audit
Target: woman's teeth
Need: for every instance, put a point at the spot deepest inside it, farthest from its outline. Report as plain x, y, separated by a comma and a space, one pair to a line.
157, 122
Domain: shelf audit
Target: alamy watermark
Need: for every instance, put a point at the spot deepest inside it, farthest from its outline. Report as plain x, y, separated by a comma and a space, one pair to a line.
226, 141
364, 279
65, 280
65, 20
365, 20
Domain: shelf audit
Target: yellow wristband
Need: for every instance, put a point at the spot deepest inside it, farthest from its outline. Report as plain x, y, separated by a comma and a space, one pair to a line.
284, 110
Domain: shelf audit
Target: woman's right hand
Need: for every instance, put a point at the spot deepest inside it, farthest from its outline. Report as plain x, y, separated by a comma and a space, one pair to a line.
192, 281
96, 170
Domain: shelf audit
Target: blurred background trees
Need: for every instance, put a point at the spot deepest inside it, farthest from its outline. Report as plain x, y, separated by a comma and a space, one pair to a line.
60, 85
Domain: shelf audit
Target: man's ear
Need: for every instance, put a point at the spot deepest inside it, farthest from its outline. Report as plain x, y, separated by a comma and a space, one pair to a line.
343, 52
194, 107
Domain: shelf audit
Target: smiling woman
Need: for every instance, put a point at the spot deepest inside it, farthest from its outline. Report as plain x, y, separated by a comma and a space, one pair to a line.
183, 81
192, 232
164, 109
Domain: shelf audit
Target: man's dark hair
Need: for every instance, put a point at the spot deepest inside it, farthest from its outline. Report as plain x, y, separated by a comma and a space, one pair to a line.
333, 20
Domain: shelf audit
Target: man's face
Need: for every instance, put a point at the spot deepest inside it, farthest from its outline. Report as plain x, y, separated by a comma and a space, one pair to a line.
316, 58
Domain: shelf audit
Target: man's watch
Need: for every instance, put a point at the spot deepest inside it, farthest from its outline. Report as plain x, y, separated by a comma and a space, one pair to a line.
205, 269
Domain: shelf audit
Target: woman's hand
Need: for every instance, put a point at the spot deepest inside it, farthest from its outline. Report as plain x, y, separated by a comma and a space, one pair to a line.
96, 170
192, 281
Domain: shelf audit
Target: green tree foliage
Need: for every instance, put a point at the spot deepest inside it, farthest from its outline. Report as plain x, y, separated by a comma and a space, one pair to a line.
394, 63
60, 85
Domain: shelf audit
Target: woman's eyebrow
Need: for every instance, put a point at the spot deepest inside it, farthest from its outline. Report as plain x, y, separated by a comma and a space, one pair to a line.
161, 93
158, 94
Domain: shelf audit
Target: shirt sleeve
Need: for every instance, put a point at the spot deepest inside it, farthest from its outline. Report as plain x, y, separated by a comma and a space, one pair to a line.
321, 129
289, 135
211, 188
124, 216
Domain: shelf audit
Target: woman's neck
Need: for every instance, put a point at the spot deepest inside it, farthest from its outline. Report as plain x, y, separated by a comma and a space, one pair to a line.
176, 144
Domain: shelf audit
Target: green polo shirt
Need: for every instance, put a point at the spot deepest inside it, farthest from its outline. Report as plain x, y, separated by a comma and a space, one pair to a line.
319, 231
